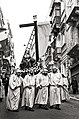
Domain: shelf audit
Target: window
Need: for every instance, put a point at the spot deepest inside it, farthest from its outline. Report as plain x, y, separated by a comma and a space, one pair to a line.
57, 12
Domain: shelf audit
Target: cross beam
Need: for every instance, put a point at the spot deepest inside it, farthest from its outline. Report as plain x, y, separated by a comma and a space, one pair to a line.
26, 25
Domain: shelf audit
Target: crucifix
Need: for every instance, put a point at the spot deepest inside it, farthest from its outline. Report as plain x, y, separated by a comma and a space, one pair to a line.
36, 34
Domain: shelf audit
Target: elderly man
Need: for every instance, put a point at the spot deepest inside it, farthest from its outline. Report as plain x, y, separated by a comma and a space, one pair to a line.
55, 83
28, 91
42, 85
13, 96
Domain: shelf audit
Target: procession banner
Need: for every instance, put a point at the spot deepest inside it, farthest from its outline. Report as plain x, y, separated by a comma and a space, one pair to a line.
43, 37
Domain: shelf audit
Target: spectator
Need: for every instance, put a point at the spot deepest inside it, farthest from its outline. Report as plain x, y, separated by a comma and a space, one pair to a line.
74, 84
2, 92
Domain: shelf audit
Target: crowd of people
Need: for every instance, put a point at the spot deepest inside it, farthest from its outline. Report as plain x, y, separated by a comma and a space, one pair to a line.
35, 87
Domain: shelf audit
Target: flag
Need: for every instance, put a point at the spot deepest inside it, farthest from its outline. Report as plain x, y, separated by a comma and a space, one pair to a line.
43, 37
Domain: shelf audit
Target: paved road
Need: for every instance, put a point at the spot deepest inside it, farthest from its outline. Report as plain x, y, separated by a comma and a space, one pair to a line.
69, 110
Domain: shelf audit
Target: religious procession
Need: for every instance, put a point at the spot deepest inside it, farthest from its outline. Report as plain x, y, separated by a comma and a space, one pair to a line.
35, 87
39, 67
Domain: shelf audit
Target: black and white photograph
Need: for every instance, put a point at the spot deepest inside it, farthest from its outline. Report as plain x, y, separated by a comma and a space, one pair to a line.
39, 59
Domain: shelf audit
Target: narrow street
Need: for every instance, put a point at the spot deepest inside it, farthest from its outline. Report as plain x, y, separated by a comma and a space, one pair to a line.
69, 110
39, 60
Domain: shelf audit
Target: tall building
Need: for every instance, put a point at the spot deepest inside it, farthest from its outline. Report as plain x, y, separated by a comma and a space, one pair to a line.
65, 36
55, 14
5, 44
72, 20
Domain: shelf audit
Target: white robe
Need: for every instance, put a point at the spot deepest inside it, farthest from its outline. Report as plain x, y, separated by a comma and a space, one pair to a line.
13, 96
42, 95
64, 93
28, 93
55, 79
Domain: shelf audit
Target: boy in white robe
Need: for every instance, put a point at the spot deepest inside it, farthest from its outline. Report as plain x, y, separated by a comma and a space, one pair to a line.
42, 85
55, 83
13, 96
29, 91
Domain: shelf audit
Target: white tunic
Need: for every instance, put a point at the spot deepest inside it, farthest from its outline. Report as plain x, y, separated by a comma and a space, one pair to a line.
29, 91
64, 93
13, 96
55, 80
42, 95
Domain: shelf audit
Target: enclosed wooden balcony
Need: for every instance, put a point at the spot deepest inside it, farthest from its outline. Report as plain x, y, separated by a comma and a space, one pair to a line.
55, 17
56, 24
74, 15
54, 3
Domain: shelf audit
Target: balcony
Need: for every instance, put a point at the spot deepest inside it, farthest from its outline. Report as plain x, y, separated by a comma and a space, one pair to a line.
57, 54
55, 18
53, 4
73, 14
56, 24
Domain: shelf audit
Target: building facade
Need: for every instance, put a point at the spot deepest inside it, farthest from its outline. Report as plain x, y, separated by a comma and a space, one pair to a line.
72, 20
6, 49
65, 36
55, 15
